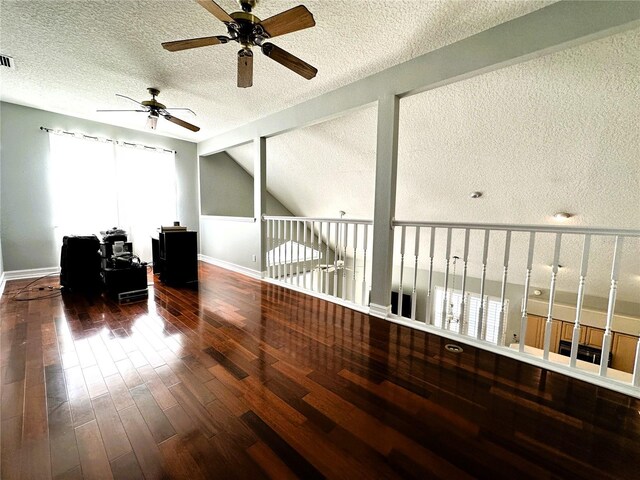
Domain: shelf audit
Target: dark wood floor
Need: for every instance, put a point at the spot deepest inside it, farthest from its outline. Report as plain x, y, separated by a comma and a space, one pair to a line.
243, 379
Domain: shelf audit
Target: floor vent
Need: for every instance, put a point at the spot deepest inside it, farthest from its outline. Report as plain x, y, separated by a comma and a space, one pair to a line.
7, 61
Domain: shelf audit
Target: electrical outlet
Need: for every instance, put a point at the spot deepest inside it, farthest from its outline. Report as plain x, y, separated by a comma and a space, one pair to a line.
254, 258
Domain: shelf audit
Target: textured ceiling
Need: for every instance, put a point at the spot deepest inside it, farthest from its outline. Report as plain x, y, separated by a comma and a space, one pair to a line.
558, 133
73, 56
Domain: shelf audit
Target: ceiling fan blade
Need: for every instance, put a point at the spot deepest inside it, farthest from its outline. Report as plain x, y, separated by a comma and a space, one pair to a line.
292, 20
182, 108
245, 68
191, 43
290, 61
120, 110
128, 98
216, 10
182, 123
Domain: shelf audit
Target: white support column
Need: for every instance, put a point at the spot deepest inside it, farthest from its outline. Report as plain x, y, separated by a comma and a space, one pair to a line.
575, 339
260, 200
385, 203
525, 299
552, 295
606, 341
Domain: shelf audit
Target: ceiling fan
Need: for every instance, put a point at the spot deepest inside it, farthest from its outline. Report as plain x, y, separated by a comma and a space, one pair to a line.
155, 110
249, 31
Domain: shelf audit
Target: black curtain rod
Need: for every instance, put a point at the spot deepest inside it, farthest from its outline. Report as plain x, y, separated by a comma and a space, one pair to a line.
109, 140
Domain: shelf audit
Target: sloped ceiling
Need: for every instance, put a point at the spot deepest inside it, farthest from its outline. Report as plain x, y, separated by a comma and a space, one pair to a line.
558, 133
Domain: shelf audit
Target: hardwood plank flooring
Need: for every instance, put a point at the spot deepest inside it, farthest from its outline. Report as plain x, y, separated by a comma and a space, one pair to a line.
239, 378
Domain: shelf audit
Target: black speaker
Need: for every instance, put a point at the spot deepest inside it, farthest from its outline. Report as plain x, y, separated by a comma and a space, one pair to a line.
80, 263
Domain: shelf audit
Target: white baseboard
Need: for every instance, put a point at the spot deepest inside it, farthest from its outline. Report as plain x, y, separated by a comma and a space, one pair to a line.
31, 273
231, 266
379, 311
2, 283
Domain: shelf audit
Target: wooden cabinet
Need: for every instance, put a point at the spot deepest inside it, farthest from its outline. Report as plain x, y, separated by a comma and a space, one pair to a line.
623, 348
535, 333
593, 336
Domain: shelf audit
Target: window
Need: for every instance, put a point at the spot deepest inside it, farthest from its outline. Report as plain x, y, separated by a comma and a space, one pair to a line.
491, 313
99, 185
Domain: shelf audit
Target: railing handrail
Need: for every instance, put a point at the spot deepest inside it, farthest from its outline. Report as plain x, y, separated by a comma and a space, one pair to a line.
521, 228
316, 219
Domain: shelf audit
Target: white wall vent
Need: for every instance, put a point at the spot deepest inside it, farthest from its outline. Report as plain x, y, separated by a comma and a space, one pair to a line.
7, 61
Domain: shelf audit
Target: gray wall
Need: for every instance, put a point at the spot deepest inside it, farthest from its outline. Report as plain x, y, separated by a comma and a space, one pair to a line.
226, 189
27, 236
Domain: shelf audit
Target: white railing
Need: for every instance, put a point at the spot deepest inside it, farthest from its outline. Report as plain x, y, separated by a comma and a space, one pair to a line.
487, 257
326, 256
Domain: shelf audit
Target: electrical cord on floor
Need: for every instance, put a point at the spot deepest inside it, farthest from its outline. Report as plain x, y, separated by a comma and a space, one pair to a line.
51, 291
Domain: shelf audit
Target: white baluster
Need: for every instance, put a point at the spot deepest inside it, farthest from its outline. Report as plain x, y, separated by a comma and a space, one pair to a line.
525, 300
446, 282
575, 339
355, 263
481, 310
320, 272
280, 250
304, 254
298, 253
326, 273
313, 248
636, 367
606, 341
430, 286
268, 225
364, 267
552, 294
503, 291
465, 257
345, 232
416, 252
400, 288
336, 258
291, 263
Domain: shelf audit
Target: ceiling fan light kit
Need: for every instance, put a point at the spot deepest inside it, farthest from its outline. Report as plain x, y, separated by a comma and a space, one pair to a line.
249, 31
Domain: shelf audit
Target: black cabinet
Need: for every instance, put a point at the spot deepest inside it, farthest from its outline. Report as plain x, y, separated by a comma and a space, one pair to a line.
175, 257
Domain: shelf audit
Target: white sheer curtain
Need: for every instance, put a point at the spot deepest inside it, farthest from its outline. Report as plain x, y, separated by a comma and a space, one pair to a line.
99, 185
146, 194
